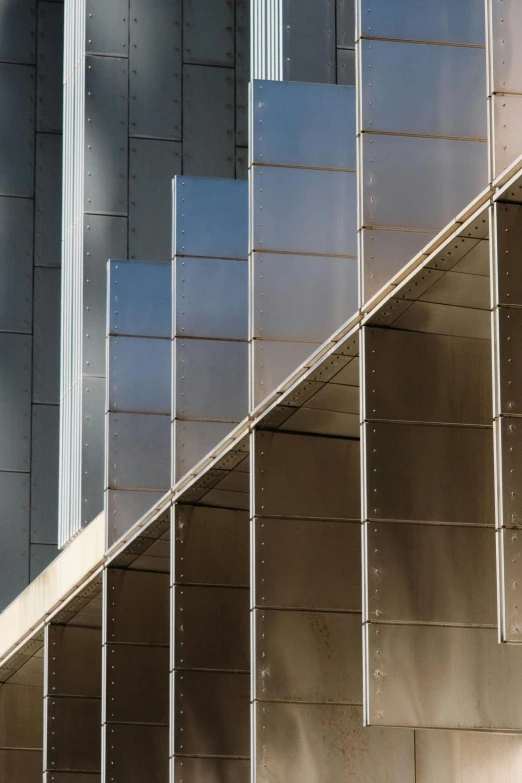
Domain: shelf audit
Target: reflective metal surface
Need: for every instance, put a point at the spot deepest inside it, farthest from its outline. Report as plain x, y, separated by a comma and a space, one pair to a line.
131, 391
141, 303
308, 41
425, 21
138, 451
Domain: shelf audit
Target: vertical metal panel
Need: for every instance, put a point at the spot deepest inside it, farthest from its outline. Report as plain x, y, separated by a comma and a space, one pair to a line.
346, 66
506, 146
146, 391
140, 301
46, 337
48, 198
125, 508
241, 163
425, 21
138, 753
155, 69
208, 32
507, 281
208, 121
44, 474
17, 90
107, 27
346, 23
76, 726
194, 770
308, 40
138, 451
14, 540
267, 39
16, 241
106, 135
192, 440
129, 619
18, 31
92, 447
77, 652
15, 402
506, 19
152, 166
49, 67
41, 555
22, 766
385, 253
127, 700
272, 362
243, 68
21, 712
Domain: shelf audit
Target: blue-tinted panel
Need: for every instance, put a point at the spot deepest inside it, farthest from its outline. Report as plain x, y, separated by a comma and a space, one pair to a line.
139, 374
140, 299
424, 20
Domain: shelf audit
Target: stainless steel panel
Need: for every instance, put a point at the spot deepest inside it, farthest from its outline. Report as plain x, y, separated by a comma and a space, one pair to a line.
442, 677
308, 41
211, 546
14, 539
152, 166
24, 766
211, 298
506, 18
510, 372
125, 508
155, 69
456, 171
465, 255
193, 440
211, 770
48, 198
21, 715
41, 556
93, 448
241, 163
288, 551
70, 777
466, 757
138, 451
74, 661
509, 454
106, 135
49, 67
212, 628
226, 499
427, 377
15, 402
423, 20
211, 379
297, 743
208, 121
127, 700
320, 209
16, 265
305, 476
313, 657
345, 23
210, 218
45, 441
506, 145
508, 237
131, 389
302, 297
243, 71
318, 122
443, 319
323, 422
463, 290
429, 473
46, 335
213, 718
17, 91
391, 98
208, 32
140, 299
129, 596
422, 573
18, 31
137, 753
335, 397
272, 362
107, 27
346, 67
509, 587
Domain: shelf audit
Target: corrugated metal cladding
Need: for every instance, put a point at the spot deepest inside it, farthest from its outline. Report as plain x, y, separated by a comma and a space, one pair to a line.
31, 45
153, 88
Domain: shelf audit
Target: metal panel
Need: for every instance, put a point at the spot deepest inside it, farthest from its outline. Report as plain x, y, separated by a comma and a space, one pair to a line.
127, 700
243, 70
15, 402
155, 75
308, 657
208, 121
48, 198
308, 40
70, 777
345, 23
346, 68
320, 209
427, 377
152, 166
78, 667
41, 556
193, 440
212, 546
212, 770
241, 163
318, 122
125, 508
391, 98
211, 379
290, 552
210, 218
407, 661
423, 20
21, 713
508, 551
208, 32
23, 767
131, 749
507, 281
422, 573
49, 67
129, 619
140, 299
18, 31
440, 473
272, 362
455, 169
455, 288
46, 338
14, 538
456, 321
17, 91
506, 19
385, 253
93, 444
214, 718
138, 451
302, 297
130, 390
506, 146
106, 135
305, 476
323, 422
16, 264
509, 453
510, 372
44, 473
212, 628
211, 298
463, 254
301, 741
107, 28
